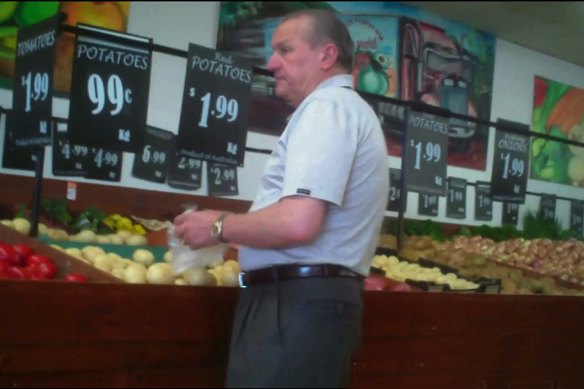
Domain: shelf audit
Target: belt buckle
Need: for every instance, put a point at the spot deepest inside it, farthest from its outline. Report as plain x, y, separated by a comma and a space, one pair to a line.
240, 280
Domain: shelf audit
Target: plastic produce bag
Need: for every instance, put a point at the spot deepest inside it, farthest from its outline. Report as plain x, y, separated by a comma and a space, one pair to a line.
183, 257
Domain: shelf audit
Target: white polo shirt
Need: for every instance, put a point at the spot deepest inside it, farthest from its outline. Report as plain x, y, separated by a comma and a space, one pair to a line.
332, 149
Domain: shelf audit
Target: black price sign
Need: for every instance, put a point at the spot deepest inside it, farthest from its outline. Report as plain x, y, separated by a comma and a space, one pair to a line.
577, 216
428, 204
426, 154
483, 202
215, 106
456, 198
105, 165
394, 201
509, 175
68, 159
548, 207
32, 94
152, 163
184, 172
109, 90
391, 116
222, 179
510, 213
13, 157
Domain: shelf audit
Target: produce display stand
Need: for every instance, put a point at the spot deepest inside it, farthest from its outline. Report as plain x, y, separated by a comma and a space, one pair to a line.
61, 334
57, 334
105, 333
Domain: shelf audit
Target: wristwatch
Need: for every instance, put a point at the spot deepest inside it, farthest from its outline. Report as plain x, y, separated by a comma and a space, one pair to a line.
217, 228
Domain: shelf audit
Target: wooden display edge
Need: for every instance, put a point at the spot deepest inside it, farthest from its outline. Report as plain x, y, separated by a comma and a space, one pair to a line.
144, 203
65, 263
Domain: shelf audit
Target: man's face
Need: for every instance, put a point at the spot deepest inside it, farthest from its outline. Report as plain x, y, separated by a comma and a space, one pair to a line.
295, 64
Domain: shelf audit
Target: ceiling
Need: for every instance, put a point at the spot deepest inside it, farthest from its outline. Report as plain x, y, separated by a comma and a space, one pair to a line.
555, 28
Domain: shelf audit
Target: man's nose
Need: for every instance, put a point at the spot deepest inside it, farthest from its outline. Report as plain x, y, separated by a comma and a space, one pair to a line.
272, 63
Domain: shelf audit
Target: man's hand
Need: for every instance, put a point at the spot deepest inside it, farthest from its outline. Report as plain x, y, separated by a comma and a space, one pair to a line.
193, 228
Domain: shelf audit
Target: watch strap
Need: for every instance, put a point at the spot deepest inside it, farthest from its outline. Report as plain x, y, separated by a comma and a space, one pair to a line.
220, 221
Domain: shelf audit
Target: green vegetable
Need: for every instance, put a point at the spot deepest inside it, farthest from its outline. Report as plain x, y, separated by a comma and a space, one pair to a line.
426, 227
21, 211
90, 219
56, 211
464, 231
550, 158
535, 226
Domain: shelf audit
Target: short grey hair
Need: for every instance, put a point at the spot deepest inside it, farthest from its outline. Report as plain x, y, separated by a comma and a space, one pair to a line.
326, 26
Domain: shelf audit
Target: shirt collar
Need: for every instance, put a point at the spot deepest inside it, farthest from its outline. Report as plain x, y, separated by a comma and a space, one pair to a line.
340, 80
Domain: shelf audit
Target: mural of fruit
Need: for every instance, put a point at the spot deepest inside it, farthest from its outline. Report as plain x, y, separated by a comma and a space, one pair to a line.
577, 134
30, 12
7, 8
15, 14
558, 111
370, 72
107, 14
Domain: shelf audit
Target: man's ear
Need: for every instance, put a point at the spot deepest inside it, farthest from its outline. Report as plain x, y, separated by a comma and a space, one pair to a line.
330, 53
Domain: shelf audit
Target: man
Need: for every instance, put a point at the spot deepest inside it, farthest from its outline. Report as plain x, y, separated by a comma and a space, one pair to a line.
309, 238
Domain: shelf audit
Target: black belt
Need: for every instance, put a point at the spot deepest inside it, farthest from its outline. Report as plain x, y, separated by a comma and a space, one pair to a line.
288, 272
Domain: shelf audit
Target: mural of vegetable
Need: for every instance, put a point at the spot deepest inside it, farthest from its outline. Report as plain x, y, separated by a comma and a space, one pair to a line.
558, 110
568, 111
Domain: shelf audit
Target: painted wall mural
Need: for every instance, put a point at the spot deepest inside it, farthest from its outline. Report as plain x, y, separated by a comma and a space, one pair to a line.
401, 52
112, 15
558, 110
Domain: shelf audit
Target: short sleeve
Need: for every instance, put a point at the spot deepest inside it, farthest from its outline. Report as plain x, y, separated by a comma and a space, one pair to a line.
321, 150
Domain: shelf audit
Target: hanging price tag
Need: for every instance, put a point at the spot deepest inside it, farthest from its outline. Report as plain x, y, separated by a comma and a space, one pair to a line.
391, 116
109, 90
71, 191
483, 202
68, 159
215, 106
577, 217
510, 213
428, 204
268, 114
394, 201
13, 157
456, 198
222, 180
105, 165
152, 163
32, 97
511, 156
547, 207
184, 172
426, 154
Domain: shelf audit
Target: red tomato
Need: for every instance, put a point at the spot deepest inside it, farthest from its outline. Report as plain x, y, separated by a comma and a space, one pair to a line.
46, 267
23, 251
76, 277
8, 255
4, 270
18, 273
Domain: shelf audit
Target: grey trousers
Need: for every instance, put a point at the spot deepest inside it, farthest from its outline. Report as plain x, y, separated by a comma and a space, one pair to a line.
296, 333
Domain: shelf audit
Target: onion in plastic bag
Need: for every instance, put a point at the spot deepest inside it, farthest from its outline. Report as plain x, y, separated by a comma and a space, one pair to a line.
183, 257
